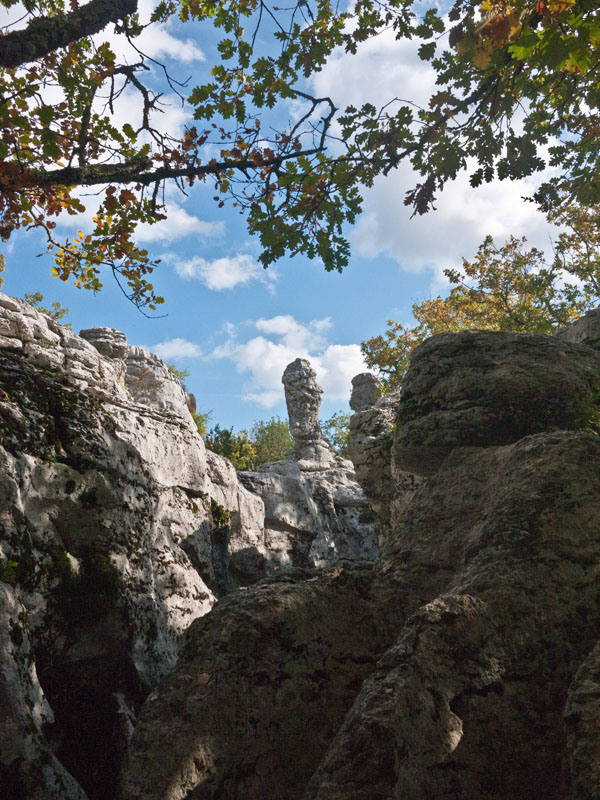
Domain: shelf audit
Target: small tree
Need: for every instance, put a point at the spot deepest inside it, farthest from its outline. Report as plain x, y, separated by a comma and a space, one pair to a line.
508, 288
236, 447
268, 440
180, 374
272, 440
201, 419
337, 431
56, 311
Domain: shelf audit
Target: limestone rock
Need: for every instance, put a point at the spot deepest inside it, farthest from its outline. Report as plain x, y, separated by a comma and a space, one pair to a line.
265, 680
585, 331
493, 570
109, 342
365, 391
303, 399
146, 376
117, 530
582, 712
482, 388
482, 617
313, 519
388, 488
316, 514
28, 767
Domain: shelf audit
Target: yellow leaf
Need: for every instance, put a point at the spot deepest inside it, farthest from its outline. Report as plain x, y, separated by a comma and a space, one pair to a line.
482, 58
559, 6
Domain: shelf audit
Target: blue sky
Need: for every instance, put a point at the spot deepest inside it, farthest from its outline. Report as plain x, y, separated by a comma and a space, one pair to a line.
235, 326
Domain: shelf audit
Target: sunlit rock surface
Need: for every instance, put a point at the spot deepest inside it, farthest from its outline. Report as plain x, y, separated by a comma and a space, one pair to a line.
316, 514
116, 529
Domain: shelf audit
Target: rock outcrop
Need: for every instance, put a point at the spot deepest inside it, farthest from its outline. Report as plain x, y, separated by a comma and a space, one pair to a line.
316, 514
464, 663
116, 529
474, 639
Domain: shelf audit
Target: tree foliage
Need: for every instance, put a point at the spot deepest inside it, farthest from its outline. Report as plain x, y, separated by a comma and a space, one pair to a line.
180, 374
507, 288
336, 430
272, 440
56, 311
201, 418
268, 440
518, 88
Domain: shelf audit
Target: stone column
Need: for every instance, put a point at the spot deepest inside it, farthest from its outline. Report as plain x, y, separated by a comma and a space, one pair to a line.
303, 399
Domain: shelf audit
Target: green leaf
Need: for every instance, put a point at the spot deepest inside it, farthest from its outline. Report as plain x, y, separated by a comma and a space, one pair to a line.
129, 132
427, 51
46, 114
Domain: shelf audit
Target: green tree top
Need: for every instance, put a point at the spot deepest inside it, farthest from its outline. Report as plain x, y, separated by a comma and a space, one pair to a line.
518, 88
507, 288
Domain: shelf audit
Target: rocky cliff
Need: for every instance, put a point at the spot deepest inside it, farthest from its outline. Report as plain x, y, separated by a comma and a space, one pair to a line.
463, 664
117, 530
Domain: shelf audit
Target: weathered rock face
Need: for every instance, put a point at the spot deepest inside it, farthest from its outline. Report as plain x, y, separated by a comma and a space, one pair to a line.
116, 530
316, 514
479, 388
481, 621
495, 568
365, 391
303, 399
257, 670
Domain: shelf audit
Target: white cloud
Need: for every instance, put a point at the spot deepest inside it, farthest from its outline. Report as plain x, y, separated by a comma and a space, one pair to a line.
177, 225
156, 41
220, 274
441, 238
384, 69
263, 358
176, 348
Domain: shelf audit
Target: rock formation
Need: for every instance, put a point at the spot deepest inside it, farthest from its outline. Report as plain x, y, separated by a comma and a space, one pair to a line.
464, 663
474, 639
116, 531
316, 514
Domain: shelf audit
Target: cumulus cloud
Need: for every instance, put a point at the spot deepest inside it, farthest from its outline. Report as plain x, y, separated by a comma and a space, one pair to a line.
384, 69
158, 40
177, 225
221, 274
263, 358
175, 348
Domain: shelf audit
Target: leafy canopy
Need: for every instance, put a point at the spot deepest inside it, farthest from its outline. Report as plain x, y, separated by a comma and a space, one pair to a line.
507, 288
267, 441
518, 88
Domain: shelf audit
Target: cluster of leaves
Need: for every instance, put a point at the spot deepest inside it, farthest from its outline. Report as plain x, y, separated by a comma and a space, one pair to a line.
56, 311
267, 441
336, 430
519, 79
180, 374
507, 288
202, 418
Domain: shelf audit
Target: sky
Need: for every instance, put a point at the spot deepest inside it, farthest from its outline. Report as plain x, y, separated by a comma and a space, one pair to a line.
235, 326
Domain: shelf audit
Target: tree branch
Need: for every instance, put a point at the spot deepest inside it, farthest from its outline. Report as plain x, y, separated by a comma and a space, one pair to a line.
139, 172
46, 34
